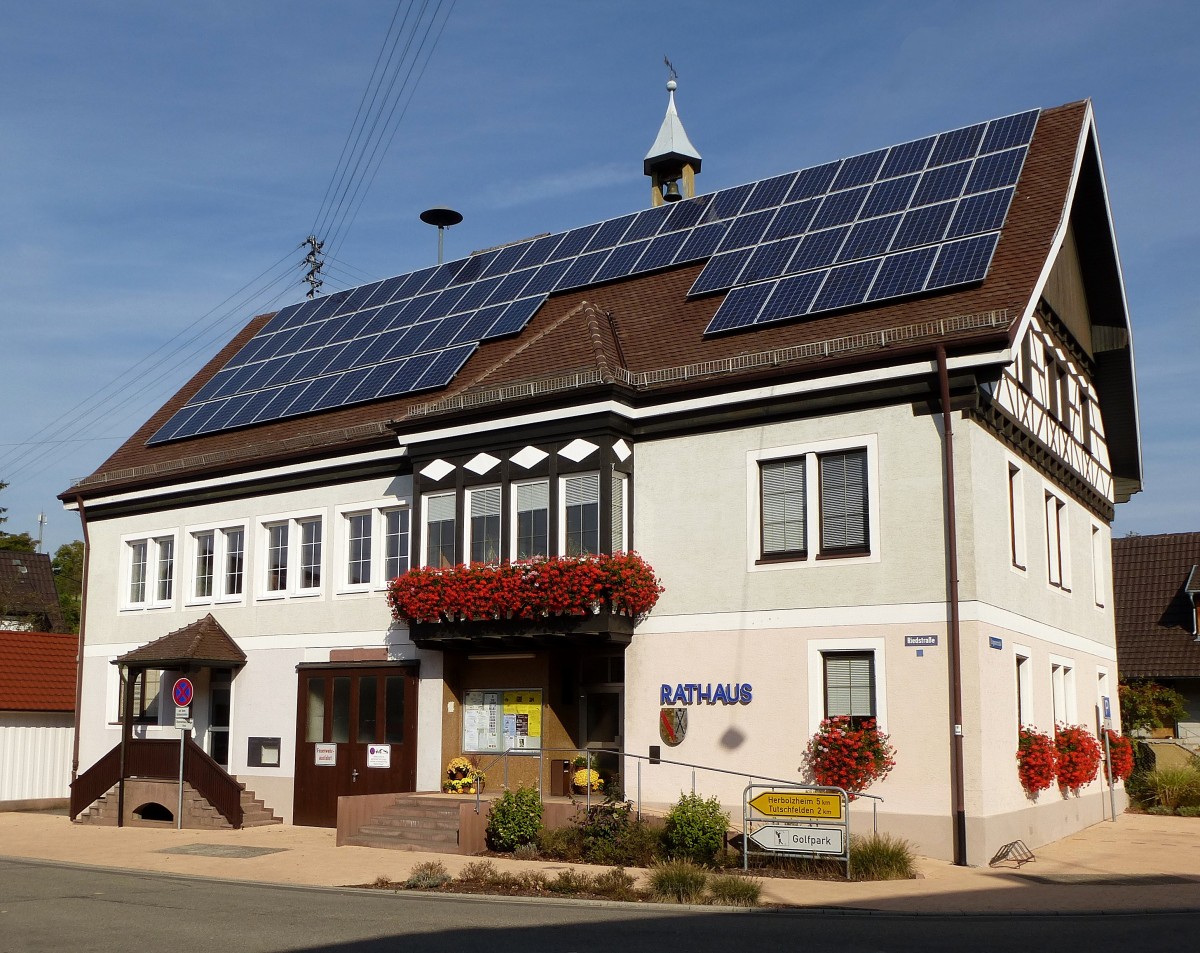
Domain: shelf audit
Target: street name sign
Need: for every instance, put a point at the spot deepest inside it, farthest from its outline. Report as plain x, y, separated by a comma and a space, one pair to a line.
798, 805
814, 839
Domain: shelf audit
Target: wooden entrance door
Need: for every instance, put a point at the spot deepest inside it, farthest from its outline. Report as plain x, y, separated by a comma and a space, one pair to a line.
356, 733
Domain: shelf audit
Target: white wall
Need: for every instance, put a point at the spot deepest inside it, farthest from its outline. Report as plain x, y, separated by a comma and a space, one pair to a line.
35, 755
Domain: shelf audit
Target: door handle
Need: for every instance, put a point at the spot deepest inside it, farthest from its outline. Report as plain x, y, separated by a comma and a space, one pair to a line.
354, 775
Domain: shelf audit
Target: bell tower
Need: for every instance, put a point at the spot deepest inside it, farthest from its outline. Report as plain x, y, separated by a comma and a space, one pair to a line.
672, 157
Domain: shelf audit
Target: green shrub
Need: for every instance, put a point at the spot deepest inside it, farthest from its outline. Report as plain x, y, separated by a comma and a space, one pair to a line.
1171, 787
1146, 705
695, 829
615, 884
881, 857
678, 881
734, 890
561, 843
526, 852
533, 880
570, 882
428, 876
515, 819
1160, 809
1190, 811
611, 834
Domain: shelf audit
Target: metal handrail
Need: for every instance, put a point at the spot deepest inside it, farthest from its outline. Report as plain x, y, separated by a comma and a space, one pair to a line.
875, 799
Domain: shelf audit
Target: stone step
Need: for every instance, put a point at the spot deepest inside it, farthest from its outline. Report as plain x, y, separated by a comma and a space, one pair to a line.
416, 823
384, 843
410, 835
403, 809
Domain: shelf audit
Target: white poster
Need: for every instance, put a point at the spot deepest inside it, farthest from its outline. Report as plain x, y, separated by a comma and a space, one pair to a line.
379, 756
326, 754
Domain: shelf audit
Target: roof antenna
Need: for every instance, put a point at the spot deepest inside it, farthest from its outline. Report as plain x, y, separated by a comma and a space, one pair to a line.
443, 218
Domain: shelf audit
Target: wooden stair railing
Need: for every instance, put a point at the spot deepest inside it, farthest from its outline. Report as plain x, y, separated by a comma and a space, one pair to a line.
159, 759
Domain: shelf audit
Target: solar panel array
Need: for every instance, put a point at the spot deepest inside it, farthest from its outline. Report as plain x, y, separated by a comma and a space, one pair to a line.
899, 221
915, 218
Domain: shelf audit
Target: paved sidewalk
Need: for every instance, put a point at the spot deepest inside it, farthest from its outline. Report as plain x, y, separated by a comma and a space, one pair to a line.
1141, 863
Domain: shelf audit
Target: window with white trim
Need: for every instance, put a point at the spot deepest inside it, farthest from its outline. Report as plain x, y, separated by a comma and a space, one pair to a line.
149, 572
849, 685
483, 524
396, 542
440, 528
1099, 579
217, 557
1024, 690
1062, 690
358, 549
531, 518
840, 505
1016, 517
1058, 556
294, 556
581, 513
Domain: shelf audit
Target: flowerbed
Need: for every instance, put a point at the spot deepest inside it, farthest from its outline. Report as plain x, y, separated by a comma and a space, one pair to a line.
852, 757
562, 585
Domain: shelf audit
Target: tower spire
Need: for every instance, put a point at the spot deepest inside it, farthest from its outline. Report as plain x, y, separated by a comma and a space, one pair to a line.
672, 157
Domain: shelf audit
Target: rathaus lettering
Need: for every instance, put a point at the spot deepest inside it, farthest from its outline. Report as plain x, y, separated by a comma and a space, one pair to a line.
732, 693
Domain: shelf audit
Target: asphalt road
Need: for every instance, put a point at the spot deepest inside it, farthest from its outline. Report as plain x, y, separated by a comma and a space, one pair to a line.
48, 907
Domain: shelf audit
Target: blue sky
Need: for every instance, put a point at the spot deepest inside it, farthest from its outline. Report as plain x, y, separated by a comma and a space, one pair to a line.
155, 158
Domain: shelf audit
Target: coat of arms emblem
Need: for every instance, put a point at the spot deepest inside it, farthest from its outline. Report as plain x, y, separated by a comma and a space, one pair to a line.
672, 725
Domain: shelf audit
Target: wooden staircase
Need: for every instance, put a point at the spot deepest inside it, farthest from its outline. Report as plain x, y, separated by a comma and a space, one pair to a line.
413, 823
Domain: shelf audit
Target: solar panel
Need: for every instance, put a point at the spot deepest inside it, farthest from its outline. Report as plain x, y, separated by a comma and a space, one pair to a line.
916, 217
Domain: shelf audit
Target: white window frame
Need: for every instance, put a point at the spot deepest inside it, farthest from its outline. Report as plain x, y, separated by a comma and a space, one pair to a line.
1017, 542
514, 492
295, 547
1023, 665
348, 521
812, 452
377, 511
562, 508
469, 496
1099, 576
220, 532
425, 501
817, 649
619, 512
1058, 540
153, 543
1062, 690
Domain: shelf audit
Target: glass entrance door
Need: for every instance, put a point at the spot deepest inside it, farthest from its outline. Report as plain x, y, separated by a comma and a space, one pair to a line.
219, 697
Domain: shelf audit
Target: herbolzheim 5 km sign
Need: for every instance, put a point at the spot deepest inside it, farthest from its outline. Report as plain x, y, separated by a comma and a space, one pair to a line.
812, 821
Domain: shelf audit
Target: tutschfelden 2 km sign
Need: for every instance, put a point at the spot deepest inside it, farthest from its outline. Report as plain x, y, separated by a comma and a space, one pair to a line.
796, 819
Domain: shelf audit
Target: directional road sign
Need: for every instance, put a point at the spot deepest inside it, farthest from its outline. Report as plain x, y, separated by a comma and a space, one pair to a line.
814, 839
817, 805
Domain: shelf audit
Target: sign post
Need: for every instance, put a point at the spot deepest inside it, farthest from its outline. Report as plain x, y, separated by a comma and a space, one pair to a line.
794, 819
182, 693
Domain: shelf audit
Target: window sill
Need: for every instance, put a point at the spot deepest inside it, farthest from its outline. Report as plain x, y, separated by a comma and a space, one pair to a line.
776, 558
844, 554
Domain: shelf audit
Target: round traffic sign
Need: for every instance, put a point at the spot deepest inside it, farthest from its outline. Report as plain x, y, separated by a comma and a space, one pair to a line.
182, 692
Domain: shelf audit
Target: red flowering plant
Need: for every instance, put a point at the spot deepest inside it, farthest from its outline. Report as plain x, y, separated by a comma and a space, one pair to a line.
1036, 765
561, 585
1120, 756
845, 755
1077, 756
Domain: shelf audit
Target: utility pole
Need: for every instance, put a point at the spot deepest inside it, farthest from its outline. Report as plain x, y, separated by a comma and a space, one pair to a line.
315, 263
41, 526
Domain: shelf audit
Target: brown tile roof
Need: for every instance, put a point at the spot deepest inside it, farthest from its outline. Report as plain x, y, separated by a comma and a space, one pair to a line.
1154, 618
203, 642
27, 589
654, 326
37, 671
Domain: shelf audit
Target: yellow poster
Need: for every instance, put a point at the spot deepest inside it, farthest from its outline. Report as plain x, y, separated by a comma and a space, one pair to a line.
523, 718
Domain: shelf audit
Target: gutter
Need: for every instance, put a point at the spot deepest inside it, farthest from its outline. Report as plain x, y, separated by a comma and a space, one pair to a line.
87, 554
957, 778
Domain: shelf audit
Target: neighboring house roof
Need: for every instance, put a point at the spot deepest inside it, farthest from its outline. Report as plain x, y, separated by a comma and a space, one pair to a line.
1155, 614
641, 340
37, 671
27, 589
203, 642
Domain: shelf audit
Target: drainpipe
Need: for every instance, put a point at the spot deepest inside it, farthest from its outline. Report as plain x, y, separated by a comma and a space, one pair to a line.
87, 552
958, 783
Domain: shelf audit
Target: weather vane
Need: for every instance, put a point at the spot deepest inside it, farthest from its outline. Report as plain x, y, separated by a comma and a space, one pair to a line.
674, 75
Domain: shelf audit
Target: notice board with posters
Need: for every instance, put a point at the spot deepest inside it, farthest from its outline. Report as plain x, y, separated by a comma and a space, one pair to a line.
497, 720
